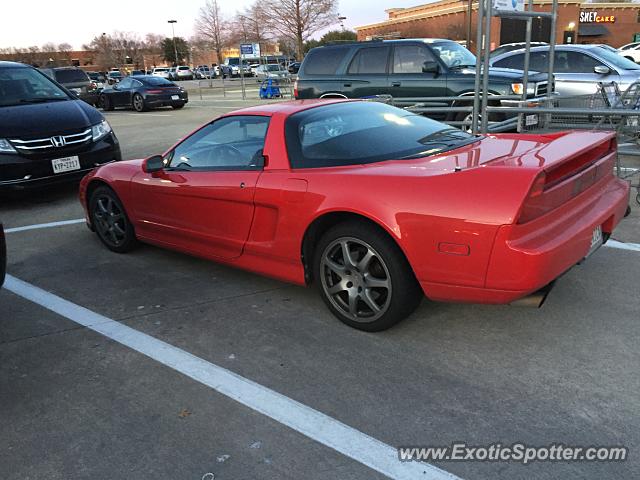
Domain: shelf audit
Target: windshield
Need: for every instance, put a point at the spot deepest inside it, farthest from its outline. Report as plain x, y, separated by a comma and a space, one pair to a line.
115, 74
616, 60
273, 68
160, 69
22, 85
454, 54
356, 133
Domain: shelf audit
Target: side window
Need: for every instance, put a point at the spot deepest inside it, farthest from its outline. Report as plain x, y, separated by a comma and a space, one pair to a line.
370, 60
514, 61
125, 83
410, 58
539, 62
231, 143
136, 83
581, 63
324, 61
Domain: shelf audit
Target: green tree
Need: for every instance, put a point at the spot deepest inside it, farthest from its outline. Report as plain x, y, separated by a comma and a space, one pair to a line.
169, 51
338, 36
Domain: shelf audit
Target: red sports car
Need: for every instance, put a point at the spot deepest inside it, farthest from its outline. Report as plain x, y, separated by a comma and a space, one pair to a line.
375, 205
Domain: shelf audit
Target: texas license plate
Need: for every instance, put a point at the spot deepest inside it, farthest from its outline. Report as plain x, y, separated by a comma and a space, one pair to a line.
66, 164
175, 97
596, 239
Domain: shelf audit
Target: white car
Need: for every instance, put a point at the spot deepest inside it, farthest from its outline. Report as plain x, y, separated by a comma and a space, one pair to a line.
160, 72
272, 71
630, 51
184, 73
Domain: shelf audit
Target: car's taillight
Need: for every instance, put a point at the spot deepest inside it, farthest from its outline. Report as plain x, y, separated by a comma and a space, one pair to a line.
295, 89
154, 92
534, 206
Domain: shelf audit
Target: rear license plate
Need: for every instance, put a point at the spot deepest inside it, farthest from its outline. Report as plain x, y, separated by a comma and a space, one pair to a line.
531, 120
596, 239
175, 97
67, 164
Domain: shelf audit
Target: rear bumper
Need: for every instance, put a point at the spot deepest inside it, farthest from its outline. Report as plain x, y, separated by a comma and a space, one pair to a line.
165, 100
528, 257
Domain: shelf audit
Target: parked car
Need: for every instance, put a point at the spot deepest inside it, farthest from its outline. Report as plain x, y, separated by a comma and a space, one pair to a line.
143, 93
172, 75
253, 67
135, 73
407, 68
202, 72
577, 68
160, 72
271, 71
294, 67
3, 255
183, 72
76, 80
98, 79
114, 76
509, 47
47, 135
631, 51
539, 205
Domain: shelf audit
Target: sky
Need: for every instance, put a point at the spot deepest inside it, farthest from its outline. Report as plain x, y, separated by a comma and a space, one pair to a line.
24, 23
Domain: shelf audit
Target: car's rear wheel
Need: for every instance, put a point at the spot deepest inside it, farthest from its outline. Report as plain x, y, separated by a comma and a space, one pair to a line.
364, 278
138, 103
110, 220
106, 103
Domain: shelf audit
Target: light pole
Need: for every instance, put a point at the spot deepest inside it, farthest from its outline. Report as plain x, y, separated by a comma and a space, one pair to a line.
175, 48
342, 19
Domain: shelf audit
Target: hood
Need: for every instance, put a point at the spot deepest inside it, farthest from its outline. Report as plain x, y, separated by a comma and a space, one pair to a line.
46, 119
506, 74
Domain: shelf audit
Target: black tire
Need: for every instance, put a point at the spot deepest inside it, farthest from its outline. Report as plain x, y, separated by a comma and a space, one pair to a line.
110, 221
106, 103
177, 106
358, 285
138, 103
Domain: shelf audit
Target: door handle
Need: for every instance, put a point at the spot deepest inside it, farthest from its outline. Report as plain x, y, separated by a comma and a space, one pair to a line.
346, 85
241, 184
395, 84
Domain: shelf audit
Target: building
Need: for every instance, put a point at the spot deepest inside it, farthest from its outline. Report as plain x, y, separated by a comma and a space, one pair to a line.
578, 22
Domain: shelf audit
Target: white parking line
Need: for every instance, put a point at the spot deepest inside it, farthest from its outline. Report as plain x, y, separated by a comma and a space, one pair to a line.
634, 247
45, 225
311, 423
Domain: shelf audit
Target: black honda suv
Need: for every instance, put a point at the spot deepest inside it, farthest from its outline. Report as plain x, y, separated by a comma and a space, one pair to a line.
47, 134
416, 68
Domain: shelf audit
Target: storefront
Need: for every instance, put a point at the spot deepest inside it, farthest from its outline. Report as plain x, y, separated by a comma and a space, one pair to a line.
578, 22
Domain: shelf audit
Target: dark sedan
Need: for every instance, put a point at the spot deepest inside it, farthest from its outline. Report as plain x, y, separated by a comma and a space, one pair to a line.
143, 93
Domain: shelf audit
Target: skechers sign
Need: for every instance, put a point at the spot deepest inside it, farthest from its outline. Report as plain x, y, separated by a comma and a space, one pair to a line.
508, 5
592, 16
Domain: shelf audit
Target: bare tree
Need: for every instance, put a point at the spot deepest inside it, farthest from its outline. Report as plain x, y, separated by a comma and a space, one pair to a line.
117, 49
253, 23
299, 19
65, 50
211, 25
153, 48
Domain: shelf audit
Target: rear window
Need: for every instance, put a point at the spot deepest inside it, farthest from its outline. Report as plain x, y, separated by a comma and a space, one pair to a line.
71, 76
159, 81
355, 133
324, 61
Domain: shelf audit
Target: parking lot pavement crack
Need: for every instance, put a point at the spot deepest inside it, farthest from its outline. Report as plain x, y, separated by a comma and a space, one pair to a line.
42, 335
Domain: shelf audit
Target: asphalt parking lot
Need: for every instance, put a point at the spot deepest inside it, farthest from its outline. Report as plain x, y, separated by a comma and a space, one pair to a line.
184, 369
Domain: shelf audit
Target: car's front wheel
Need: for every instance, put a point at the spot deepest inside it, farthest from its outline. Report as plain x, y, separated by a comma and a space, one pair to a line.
106, 103
364, 278
110, 220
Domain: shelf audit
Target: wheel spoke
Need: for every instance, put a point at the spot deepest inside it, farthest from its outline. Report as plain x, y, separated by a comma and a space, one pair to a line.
373, 282
363, 264
346, 254
337, 288
335, 267
118, 229
353, 304
101, 206
366, 298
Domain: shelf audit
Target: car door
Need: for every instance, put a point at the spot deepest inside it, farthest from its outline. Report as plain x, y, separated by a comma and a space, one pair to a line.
202, 201
367, 72
122, 92
408, 78
575, 73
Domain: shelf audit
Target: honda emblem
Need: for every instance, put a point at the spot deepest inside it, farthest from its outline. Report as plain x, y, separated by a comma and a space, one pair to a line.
58, 141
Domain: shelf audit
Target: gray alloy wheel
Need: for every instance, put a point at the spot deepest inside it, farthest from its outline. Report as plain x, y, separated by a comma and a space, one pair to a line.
466, 119
110, 221
356, 279
138, 103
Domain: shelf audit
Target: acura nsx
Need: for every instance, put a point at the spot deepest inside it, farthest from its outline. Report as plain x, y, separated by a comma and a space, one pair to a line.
375, 205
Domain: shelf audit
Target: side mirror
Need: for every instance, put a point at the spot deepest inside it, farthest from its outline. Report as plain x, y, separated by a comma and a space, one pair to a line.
153, 164
431, 66
601, 70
